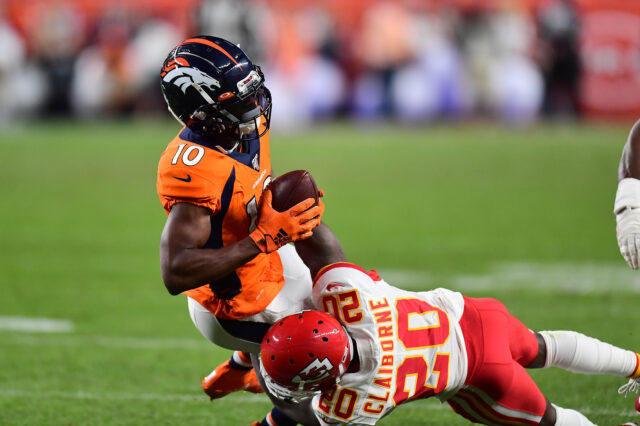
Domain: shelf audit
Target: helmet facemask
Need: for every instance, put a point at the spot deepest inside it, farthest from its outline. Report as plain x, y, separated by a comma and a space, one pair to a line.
234, 122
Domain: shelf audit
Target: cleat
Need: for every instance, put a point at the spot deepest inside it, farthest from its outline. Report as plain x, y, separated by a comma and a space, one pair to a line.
226, 379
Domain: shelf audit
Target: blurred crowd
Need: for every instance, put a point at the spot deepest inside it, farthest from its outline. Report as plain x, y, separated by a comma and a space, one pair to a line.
413, 61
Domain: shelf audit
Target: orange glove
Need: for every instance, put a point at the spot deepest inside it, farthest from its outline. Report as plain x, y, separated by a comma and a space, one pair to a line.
276, 229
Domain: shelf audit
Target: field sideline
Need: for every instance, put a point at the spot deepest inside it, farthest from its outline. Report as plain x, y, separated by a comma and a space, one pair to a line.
524, 215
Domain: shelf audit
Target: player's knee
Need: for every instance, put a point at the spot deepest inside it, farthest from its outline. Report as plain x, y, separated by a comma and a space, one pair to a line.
540, 359
549, 417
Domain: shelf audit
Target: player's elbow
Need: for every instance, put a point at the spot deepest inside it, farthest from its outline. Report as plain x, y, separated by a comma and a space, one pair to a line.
171, 283
172, 278
173, 290
173, 274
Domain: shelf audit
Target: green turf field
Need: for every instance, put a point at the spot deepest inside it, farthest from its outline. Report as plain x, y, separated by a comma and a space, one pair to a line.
522, 215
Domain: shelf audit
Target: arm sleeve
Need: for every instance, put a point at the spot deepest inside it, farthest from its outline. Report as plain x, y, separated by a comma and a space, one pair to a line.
174, 188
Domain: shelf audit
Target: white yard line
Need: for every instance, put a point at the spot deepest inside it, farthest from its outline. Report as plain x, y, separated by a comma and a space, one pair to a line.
578, 278
239, 396
40, 325
566, 277
110, 342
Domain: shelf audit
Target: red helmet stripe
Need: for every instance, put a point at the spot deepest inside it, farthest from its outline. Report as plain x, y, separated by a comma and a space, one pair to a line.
211, 44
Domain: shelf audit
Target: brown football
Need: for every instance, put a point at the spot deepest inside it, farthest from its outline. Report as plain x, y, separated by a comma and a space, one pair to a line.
291, 188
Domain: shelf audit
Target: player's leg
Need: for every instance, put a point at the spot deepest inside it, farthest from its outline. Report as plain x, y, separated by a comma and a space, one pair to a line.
514, 401
275, 417
225, 333
571, 351
522, 344
498, 390
494, 392
578, 353
284, 413
234, 374
558, 416
574, 352
528, 349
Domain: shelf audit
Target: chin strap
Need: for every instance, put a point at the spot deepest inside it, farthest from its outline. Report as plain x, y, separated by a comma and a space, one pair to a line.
230, 150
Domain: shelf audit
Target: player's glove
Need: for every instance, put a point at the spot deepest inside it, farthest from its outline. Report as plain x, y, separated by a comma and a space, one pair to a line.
276, 229
627, 211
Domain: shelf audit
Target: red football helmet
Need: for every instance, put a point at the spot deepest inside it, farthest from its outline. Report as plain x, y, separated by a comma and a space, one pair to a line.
303, 354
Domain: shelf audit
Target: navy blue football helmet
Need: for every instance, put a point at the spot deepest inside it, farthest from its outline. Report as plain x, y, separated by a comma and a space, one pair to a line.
212, 87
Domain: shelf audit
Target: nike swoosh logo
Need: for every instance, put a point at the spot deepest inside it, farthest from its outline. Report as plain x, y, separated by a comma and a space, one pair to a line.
187, 179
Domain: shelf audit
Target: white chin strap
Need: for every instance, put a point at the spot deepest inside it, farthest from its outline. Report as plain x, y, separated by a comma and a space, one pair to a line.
230, 150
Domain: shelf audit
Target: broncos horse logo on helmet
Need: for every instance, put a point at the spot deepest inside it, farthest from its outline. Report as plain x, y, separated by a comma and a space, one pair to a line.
211, 86
184, 77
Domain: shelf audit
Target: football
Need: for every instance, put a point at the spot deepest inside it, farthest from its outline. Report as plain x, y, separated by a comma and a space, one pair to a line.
291, 188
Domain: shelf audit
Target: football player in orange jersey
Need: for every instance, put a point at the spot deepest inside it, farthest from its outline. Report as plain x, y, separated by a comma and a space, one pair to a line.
223, 245
627, 204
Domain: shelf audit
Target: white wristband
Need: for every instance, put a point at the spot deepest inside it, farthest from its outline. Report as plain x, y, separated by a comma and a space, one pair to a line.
628, 195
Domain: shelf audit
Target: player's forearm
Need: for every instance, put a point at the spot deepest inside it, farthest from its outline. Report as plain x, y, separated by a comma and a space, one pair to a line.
321, 249
189, 268
630, 160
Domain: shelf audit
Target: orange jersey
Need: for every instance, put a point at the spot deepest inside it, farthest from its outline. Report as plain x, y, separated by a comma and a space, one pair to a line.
192, 170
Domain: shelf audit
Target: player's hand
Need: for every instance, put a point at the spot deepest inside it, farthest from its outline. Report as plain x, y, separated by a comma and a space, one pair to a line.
276, 229
628, 233
627, 211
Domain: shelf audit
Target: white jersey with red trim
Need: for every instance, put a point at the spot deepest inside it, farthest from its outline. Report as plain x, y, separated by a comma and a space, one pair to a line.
409, 344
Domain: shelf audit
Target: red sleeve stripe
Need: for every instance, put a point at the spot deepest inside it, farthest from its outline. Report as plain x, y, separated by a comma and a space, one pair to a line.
636, 372
337, 265
491, 412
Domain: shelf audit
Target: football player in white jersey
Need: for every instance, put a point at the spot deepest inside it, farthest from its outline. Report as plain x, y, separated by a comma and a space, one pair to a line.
627, 204
382, 346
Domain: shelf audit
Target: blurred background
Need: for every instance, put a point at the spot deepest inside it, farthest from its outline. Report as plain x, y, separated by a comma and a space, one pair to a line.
416, 61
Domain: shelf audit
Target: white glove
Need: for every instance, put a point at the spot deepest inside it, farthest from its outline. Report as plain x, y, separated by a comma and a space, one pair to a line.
627, 211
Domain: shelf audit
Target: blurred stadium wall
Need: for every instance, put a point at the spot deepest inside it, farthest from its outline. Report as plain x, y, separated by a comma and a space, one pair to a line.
415, 61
